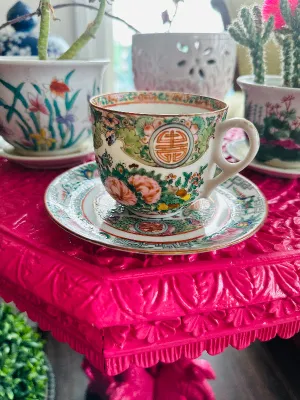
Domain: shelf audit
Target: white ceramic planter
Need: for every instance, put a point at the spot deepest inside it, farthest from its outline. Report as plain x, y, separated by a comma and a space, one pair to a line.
201, 63
44, 104
275, 111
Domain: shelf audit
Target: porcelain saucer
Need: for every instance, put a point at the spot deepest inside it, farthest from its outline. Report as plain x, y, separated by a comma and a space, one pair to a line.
77, 201
238, 150
51, 162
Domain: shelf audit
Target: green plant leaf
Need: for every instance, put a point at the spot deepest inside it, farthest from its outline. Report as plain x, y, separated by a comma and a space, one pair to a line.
60, 126
199, 121
23, 369
37, 88
24, 130
68, 77
132, 144
178, 182
70, 102
140, 123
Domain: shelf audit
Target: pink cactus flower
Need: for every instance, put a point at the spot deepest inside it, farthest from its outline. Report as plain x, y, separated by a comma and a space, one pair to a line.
272, 7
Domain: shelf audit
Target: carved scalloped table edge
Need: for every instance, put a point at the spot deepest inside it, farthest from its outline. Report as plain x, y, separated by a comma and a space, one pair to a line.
265, 302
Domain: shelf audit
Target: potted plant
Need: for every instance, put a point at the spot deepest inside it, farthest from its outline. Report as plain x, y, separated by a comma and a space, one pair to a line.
201, 63
25, 373
273, 102
43, 102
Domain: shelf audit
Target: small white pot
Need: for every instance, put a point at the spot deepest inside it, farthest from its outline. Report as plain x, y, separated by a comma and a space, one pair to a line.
201, 63
44, 104
275, 111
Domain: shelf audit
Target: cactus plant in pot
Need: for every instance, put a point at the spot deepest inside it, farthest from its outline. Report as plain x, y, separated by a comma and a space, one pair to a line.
43, 102
272, 102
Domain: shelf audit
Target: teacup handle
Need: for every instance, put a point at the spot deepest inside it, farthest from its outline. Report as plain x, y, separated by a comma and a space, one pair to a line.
217, 158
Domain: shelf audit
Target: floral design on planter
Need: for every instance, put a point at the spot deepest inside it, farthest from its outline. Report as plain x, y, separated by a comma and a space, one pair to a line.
147, 190
279, 128
45, 115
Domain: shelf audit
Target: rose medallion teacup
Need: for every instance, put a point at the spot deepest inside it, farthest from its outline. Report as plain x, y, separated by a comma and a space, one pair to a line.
157, 152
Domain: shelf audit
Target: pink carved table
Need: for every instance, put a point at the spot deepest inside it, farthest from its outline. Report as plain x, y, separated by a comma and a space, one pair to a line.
130, 312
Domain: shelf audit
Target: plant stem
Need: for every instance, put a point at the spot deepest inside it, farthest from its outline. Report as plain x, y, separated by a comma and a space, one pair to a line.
287, 61
58, 6
174, 15
21, 18
89, 33
44, 29
296, 66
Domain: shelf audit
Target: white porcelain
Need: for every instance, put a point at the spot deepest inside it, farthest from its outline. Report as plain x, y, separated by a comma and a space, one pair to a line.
239, 148
275, 111
80, 205
81, 154
157, 151
200, 63
44, 104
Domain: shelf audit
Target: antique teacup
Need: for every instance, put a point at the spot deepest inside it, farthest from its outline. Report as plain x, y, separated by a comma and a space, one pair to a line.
157, 152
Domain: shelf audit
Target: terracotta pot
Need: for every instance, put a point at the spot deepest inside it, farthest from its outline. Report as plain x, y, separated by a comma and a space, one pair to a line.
275, 111
200, 63
44, 104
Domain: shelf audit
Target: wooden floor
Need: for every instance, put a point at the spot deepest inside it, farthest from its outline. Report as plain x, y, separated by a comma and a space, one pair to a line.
261, 372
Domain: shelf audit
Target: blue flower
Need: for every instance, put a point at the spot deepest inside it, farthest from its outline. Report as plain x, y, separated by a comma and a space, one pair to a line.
67, 120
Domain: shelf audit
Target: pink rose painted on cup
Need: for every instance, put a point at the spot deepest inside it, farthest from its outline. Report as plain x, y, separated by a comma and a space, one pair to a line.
120, 192
148, 187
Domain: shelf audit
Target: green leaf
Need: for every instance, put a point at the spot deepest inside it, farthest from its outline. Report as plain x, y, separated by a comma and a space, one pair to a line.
70, 103
24, 130
79, 135
132, 145
199, 121
178, 182
10, 394
68, 77
35, 121
140, 123
58, 114
37, 88
51, 122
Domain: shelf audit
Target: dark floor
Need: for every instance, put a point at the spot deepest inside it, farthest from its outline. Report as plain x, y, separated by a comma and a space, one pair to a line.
261, 372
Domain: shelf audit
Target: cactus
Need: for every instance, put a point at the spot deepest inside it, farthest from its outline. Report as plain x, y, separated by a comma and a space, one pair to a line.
250, 31
290, 42
286, 44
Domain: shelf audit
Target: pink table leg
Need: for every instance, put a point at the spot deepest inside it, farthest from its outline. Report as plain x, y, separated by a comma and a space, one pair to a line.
182, 380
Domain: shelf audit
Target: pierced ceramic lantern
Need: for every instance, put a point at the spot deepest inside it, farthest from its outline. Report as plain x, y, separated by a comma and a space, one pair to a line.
201, 63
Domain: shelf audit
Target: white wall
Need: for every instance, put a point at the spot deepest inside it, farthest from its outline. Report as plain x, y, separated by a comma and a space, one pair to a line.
64, 28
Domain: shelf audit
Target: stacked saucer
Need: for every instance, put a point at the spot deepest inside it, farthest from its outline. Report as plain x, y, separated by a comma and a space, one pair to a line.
81, 154
238, 150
